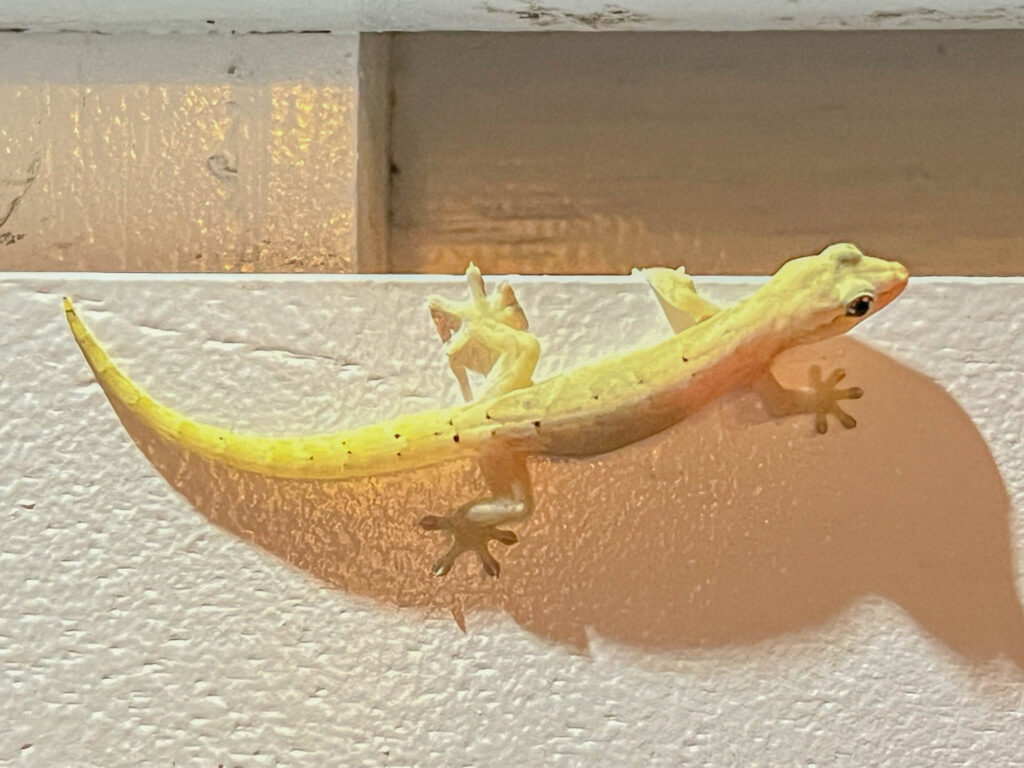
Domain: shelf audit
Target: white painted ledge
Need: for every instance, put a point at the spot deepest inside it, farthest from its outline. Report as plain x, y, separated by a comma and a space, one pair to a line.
231, 16
750, 592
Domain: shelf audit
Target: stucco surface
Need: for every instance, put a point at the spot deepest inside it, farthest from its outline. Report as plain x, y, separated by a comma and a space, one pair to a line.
201, 617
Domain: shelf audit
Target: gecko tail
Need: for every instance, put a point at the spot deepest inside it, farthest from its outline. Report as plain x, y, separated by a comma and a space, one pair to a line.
204, 439
404, 443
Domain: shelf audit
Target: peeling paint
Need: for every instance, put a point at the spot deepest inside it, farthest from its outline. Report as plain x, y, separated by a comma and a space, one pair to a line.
539, 15
922, 16
25, 185
22, 186
223, 165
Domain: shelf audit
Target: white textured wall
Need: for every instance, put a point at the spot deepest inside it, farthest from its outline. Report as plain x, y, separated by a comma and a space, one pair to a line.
226, 16
733, 592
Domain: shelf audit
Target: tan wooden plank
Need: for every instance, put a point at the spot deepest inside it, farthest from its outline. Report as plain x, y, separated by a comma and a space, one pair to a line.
727, 152
373, 158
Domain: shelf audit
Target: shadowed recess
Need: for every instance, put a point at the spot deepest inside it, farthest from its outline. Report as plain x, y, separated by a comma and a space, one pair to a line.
727, 529
555, 152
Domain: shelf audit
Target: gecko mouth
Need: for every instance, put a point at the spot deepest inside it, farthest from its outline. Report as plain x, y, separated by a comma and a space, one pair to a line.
896, 287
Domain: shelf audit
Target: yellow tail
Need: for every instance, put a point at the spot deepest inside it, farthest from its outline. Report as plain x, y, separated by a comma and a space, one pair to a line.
407, 442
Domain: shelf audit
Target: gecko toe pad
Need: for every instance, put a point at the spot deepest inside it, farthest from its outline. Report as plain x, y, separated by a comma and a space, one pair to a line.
467, 536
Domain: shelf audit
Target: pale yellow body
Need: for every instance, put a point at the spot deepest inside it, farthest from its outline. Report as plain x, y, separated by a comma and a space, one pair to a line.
589, 410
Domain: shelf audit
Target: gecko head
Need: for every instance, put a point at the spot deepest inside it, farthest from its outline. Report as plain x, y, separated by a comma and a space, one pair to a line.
827, 294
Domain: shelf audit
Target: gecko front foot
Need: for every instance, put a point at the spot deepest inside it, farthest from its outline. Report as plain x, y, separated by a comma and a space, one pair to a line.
469, 535
825, 399
821, 399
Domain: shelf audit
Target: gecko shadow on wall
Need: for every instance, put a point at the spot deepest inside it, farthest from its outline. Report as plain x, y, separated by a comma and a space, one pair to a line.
726, 529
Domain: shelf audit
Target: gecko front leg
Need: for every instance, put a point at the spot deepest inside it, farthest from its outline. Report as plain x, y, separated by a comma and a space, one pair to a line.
486, 334
821, 399
683, 307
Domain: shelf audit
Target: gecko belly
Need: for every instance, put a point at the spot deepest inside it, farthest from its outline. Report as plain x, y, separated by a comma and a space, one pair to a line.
602, 432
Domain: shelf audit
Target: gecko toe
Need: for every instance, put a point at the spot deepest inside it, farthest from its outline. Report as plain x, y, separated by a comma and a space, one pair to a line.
821, 422
508, 538
444, 563
491, 566
434, 523
836, 376
844, 418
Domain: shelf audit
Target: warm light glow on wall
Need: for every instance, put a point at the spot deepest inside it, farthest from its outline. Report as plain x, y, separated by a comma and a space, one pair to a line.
237, 167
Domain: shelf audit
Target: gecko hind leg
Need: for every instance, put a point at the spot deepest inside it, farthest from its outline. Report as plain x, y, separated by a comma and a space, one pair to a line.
821, 399
486, 334
474, 525
469, 535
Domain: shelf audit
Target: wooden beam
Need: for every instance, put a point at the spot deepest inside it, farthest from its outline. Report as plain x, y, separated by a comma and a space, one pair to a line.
373, 161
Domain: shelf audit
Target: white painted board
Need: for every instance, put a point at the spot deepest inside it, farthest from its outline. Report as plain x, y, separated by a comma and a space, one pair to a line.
735, 591
231, 16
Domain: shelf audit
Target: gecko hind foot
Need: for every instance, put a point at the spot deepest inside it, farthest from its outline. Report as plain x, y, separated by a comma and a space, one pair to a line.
827, 397
467, 536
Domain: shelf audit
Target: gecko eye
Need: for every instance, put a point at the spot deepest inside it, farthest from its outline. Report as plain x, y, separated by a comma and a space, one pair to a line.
859, 306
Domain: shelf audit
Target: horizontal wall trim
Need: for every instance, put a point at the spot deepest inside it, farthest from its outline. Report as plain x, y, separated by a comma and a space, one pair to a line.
428, 279
235, 16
